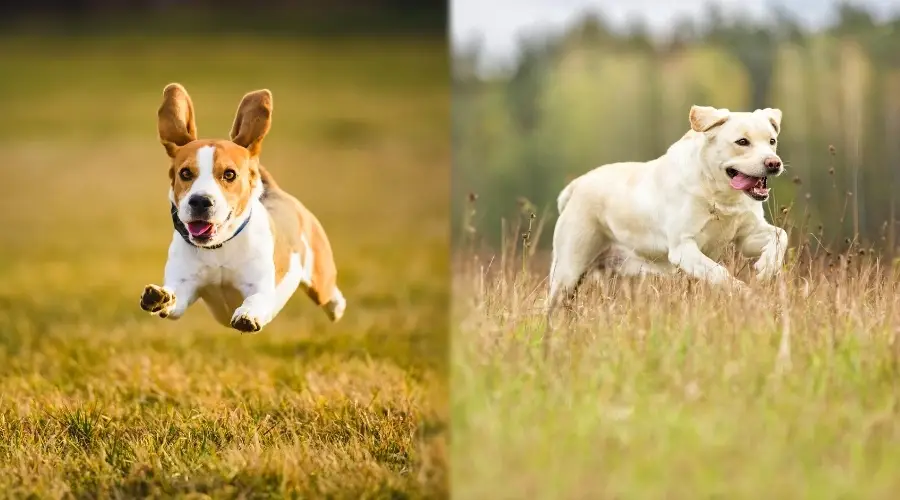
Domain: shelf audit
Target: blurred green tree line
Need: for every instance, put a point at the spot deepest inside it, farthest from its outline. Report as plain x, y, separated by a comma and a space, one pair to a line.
593, 95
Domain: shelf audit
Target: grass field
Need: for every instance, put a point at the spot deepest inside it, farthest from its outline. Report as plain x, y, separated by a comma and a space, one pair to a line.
672, 389
98, 399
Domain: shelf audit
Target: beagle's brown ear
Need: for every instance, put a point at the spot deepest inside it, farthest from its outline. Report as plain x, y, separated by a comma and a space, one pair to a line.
705, 118
176, 119
253, 120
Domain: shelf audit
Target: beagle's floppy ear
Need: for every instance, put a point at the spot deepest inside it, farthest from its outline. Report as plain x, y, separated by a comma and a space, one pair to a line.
252, 121
774, 116
176, 119
704, 118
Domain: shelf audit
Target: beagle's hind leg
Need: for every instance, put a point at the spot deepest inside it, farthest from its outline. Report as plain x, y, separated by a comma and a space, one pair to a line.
321, 285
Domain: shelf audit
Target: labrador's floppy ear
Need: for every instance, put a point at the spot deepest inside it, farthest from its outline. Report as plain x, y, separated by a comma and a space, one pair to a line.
253, 120
176, 119
704, 118
774, 116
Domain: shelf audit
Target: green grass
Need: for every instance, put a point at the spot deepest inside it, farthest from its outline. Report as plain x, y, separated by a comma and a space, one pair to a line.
98, 399
672, 389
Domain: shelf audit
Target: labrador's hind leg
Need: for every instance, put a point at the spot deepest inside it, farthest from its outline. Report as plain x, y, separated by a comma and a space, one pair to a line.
576, 247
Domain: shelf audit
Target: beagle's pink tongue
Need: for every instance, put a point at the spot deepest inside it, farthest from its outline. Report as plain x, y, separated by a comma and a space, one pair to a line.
199, 228
743, 182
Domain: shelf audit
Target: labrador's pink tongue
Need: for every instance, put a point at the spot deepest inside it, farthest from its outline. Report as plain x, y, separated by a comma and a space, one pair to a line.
743, 182
199, 228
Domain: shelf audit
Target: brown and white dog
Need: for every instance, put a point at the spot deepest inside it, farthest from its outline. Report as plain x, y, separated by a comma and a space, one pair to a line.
241, 243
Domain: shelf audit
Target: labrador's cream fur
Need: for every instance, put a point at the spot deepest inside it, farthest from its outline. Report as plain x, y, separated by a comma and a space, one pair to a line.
679, 211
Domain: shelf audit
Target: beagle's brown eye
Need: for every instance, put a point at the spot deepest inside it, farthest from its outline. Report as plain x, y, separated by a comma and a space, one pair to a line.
742, 142
229, 175
185, 174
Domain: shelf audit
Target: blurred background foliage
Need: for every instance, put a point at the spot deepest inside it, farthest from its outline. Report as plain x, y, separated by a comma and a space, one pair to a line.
592, 95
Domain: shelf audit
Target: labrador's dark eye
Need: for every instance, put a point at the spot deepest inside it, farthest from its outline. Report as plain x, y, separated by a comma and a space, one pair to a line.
742, 142
772, 141
229, 175
185, 174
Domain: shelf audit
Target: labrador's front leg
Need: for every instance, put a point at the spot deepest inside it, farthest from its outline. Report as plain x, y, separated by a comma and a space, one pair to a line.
767, 244
688, 257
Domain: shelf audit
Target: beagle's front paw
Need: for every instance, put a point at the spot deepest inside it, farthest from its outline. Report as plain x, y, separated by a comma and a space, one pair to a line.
245, 321
157, 300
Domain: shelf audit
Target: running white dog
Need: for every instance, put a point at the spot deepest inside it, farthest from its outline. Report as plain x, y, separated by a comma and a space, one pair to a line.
679, 211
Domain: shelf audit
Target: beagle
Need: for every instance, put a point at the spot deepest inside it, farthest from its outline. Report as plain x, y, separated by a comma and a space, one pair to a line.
241, 243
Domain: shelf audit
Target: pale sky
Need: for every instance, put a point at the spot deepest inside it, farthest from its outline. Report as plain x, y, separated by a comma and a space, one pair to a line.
499, 23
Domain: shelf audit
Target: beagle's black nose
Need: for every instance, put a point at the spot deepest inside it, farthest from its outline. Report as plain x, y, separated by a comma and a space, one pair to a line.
200, 202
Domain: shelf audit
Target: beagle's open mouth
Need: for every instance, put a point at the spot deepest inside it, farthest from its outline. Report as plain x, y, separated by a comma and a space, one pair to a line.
201, 229
754, 187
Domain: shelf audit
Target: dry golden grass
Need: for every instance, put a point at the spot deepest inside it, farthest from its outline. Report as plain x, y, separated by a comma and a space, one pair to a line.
97, 399
669, 388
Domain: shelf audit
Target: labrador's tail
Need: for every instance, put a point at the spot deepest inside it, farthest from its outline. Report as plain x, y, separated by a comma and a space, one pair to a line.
564, 196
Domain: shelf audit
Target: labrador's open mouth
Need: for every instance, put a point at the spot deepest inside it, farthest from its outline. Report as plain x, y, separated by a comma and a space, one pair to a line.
754, 187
